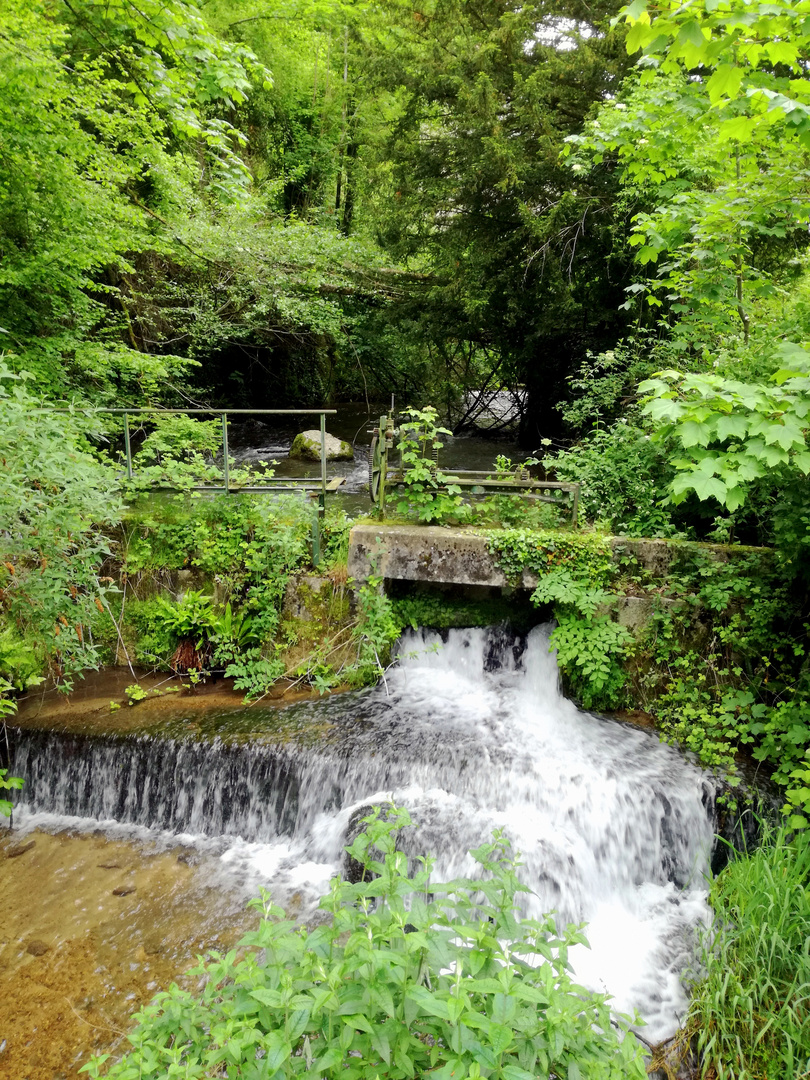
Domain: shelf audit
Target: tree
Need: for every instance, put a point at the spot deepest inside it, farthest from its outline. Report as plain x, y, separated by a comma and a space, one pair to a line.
98, 105
56, 498
471, 190
712, 145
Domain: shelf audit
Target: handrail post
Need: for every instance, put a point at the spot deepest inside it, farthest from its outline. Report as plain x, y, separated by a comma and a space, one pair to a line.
321, 508
323, 460
127, 446
225, 469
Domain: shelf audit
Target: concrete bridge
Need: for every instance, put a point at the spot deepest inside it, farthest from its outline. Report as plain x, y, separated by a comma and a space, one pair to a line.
437, 554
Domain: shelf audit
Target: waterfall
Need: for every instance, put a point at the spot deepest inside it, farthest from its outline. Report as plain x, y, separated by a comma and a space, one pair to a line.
471, 733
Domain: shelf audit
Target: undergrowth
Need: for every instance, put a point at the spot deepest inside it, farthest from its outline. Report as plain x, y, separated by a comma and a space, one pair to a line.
750, 1014
406, 977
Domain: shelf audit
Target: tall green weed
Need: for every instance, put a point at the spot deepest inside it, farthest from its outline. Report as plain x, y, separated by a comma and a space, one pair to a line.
751, 1014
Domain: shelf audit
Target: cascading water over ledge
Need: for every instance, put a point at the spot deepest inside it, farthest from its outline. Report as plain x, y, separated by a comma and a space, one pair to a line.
471, 734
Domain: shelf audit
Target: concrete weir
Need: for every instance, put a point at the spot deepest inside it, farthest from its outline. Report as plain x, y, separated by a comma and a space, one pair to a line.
431, 553
439, 555
436, 553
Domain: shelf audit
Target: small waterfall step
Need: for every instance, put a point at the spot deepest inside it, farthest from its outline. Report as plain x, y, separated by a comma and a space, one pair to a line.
472, 734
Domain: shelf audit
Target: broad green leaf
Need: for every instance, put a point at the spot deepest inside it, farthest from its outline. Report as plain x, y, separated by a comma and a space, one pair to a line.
732, 426
691, 433
500, 1038
513, 1072
735, 498
429, 1003
277, 1049
531, 993
724, 82
379, 1040
331, 1059
504, 1007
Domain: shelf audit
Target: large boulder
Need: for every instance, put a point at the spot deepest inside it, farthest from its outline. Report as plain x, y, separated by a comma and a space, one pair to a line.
307, 445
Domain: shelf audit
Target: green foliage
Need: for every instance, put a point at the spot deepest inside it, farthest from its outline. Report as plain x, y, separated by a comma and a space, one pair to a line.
575, 570
623, 478
21, 662
721, 668
755, 52
749, 1014
189, 618
590, 646
335, 528
8, 707
8, 782
429, 493
376, 631
729, 433
602, 385
469, 185
152, 642
406, 977
797, 795
250, 669
55, 501
100, 105
248, 546
135, 693
588, 555
441, 611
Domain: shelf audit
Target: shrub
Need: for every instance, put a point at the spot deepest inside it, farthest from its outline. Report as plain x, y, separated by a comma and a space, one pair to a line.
408, 977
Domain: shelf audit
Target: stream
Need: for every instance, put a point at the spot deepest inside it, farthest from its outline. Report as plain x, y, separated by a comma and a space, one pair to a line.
269, 440
470, 732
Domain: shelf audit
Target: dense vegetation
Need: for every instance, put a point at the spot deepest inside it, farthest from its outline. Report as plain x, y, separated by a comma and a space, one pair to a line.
408, 976
605, 208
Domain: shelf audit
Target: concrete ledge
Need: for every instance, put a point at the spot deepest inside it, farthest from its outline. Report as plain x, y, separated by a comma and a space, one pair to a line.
460, 556
424, 553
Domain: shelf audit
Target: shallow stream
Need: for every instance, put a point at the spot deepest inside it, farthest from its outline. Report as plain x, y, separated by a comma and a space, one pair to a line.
469, 732
270, 439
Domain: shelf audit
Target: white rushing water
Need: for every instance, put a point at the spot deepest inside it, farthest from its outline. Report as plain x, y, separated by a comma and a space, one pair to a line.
472, 734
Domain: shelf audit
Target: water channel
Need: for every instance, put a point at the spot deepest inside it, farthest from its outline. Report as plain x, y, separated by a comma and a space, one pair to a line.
269, 440
470, 732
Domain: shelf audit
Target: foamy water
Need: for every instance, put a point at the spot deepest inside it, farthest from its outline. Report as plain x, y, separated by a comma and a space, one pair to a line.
614, 827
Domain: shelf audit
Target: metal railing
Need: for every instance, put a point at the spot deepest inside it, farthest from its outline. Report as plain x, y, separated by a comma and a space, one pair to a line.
313, 485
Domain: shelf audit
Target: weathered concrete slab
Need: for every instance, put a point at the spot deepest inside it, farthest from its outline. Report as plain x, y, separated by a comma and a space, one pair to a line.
657, 556
441, 554
424, 553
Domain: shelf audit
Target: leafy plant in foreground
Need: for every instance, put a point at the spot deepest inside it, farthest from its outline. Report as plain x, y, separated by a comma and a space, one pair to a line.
409, 977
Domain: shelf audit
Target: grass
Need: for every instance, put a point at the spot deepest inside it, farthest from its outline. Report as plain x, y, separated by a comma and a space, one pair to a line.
751, 1014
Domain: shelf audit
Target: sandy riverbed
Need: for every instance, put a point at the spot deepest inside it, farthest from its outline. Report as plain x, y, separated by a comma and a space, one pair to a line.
90, 929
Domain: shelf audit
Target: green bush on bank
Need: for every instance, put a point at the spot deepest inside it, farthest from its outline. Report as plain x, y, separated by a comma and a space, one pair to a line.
750, 1014
408, 977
